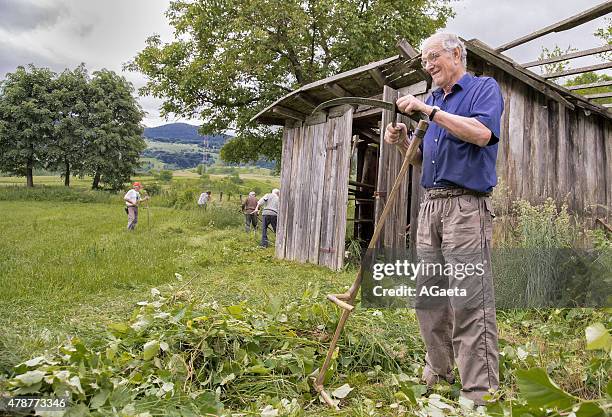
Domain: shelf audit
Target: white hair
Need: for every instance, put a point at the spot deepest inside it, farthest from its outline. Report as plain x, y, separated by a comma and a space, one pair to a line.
252, 194
449, 42
276, 191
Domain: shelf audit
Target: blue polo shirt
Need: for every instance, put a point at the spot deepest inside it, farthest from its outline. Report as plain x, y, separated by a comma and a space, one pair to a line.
449, 161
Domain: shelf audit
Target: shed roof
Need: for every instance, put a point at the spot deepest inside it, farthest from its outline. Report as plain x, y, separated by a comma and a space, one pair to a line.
397, 72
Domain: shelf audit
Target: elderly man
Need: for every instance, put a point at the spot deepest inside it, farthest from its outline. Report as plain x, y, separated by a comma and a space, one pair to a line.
250, 215
458, 158
132, 200
270, 203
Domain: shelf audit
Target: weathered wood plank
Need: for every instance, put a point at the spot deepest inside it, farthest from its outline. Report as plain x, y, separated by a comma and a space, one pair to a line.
598, 95
593, 169
573, 55
579, 70
607, 161
378, 77
318, 185
562, 178
389, 94
327, 214
590, 85
306, 194
344, 140
281, 235
573, 21
505, 83
337, 90
516, 124
292, 114
292, 204
406, 50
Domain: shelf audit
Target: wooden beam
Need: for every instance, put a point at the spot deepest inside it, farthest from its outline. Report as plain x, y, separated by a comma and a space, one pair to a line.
306, 99
362, 185
607, 105
406, 50
573, 55
606, 226
364, 114
336, 90
598, 95
378, 77
526, 76
580, 70
292, 114
573, 21
592, 85
369, 134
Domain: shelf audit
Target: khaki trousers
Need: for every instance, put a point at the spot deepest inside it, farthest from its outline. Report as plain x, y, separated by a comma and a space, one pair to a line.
132, 217
458, 329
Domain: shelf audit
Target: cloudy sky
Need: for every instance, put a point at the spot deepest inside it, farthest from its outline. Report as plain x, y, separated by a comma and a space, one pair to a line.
106, 34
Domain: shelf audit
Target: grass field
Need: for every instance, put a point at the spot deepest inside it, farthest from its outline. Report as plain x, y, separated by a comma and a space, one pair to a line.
70, 269
68, 266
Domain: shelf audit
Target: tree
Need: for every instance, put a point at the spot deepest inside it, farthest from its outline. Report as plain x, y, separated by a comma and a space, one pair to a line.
232, 58
554, 53
114, 135
605, 34
66, 152
27, 118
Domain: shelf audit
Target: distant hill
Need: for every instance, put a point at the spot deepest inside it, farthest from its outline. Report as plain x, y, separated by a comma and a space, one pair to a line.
183, 133
179, 146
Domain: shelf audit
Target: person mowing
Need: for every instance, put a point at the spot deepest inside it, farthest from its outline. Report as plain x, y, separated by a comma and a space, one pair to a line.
458, 157
132, 200
270, 203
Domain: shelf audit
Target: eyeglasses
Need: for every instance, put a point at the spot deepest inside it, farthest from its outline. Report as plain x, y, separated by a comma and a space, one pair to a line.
431, 57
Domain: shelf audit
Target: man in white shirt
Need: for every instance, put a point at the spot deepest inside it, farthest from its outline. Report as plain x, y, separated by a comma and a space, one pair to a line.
203, 200
132, 199
270, 203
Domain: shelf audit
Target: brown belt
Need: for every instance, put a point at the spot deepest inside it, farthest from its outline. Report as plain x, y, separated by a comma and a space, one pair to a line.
433, 193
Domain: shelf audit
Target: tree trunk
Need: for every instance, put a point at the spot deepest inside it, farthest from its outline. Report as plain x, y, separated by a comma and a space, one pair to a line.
96, 181
67, 174
29, 175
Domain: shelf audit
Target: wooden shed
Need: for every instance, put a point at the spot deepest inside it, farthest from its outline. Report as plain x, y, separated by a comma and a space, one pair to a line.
554, 143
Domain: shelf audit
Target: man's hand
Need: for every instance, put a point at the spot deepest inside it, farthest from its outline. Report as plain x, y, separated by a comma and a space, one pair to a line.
409, 104
397, 135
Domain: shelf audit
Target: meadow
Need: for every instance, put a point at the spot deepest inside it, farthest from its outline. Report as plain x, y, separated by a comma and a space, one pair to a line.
188, 316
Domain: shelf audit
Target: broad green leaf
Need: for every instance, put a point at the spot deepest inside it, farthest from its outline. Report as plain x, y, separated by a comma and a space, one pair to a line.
99, 399
598, 337
120, 328
30, 378
150, 349
342, 391
258, 369
609, 389
540, 391
590, 409
235, 311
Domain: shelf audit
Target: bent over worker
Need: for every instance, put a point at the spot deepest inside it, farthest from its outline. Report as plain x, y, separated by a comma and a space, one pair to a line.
458, 158
270, 204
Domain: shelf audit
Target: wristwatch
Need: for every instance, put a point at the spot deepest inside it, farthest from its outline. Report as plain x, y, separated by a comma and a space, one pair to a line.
434, 109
